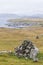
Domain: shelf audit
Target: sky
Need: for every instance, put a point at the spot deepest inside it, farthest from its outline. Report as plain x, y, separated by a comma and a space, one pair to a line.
28, 7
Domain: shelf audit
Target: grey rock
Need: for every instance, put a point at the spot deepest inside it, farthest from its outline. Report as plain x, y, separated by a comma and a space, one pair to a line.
27, 50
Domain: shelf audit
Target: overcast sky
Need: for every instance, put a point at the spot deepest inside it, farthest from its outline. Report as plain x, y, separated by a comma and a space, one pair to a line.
21, 6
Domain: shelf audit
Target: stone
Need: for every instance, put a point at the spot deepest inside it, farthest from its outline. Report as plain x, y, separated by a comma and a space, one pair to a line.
27, 50
37, 37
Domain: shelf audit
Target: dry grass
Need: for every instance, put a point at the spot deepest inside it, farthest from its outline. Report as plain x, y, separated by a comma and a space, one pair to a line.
11, 38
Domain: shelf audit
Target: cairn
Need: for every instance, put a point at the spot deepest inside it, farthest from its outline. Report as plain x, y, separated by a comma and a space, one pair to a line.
24, 49
27, 50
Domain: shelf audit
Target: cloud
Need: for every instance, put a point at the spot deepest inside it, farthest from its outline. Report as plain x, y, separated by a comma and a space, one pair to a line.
21, 6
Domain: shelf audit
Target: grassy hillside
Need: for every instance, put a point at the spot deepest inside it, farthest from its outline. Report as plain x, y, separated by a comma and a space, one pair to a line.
11, 38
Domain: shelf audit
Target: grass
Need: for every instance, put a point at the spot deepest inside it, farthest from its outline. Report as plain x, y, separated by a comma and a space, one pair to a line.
11, 59
11, 38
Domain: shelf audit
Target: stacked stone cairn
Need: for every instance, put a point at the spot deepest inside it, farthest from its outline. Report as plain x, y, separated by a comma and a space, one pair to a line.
24, 49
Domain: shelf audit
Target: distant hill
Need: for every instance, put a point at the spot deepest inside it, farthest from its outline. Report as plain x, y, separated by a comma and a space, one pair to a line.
33, 16
9, 16
14, 16
37, 16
